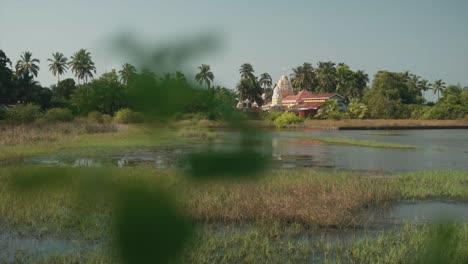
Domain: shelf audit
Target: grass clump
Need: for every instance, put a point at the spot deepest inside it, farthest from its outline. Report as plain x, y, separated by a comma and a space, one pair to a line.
429, 184
446, 243
361, 143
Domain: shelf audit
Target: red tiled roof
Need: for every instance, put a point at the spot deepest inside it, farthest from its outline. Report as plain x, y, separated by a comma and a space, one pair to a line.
301, 95
314, 105
323, 95
304, 94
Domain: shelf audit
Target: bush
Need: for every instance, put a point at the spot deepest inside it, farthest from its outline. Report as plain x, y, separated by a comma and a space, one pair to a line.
330, 110
270, 116
58, 115
27, 113
106, 119
127, 116
356, 109
287, 118
95, 117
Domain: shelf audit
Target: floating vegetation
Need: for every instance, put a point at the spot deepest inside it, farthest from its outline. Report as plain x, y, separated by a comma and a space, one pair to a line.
361, 143
385, 133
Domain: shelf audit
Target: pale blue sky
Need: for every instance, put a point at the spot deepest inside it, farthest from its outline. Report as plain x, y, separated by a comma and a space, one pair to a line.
429, 38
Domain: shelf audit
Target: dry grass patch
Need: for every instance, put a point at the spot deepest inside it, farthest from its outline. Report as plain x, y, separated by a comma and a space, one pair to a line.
43, 133
306, 196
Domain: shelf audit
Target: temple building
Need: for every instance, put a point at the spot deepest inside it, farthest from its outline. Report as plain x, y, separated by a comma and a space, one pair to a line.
304, 103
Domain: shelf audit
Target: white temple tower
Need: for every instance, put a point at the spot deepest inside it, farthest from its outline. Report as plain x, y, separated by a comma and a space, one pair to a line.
285, 86
277, 98
282, 89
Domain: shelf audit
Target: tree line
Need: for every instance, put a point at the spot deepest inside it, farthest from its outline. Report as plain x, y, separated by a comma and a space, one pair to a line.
390, 95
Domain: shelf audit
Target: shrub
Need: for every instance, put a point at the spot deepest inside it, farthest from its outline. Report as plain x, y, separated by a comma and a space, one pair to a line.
287, 118
107, 119
356, 109
127, 116
95, 117
58, 115
330, 110
27, 113
270, 116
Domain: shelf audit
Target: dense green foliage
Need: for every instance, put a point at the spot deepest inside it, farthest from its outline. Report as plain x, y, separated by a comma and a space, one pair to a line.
26, 113
106, 95
356, 109
58, 114
287, 118
453, 105
330, 111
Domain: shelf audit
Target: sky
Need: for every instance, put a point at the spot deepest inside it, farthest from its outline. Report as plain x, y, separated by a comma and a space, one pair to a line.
428, 38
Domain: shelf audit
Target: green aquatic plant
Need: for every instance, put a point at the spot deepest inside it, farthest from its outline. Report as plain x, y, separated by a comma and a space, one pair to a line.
360, 143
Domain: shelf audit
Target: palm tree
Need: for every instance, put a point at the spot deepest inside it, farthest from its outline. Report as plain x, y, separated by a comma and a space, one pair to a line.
438, 87
58, 65
205, 76
249, 89
326, 77
303, 77
27, 65
247, 72
127, 73
423, 86
265, 80
82, 65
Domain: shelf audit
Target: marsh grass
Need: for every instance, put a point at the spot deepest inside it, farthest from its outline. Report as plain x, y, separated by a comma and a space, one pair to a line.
292, 243
304, 196
29, 140
50, 132
360, 143
255, 221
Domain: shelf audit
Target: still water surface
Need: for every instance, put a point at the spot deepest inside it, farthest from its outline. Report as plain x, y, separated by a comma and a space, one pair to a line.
434, 150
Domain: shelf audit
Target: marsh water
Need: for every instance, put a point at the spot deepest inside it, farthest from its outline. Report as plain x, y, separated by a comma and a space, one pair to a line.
433, 150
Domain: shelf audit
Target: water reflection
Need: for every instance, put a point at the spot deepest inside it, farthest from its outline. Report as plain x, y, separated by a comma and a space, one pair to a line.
435, 150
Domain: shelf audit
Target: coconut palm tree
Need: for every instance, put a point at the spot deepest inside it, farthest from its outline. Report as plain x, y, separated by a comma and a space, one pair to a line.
326, 77
265, 80
82, 65
27, 65
423, 86
438, 87
247, 72
205, 76
58, 65
127, 72
303, 77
